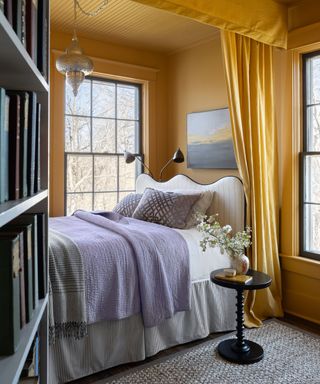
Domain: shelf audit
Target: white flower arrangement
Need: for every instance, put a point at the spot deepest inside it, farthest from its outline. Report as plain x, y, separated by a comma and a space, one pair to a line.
216, 236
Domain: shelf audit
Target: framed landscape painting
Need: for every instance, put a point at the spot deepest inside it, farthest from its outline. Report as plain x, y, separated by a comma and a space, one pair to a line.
209, 140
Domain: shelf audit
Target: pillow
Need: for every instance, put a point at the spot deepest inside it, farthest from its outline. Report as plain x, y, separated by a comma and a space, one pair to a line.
128, 204
166, 208
201, 206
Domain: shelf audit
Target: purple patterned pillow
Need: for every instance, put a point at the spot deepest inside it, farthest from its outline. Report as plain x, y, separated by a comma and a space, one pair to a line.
128, 204
166, 208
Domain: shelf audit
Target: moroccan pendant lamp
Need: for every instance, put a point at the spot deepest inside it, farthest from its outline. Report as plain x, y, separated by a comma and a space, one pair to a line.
73, 63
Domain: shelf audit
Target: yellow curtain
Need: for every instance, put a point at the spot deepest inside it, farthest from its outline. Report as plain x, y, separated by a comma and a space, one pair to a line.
262, 20
249, 74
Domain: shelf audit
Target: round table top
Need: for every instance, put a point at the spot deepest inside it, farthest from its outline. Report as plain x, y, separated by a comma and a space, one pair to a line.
259, 280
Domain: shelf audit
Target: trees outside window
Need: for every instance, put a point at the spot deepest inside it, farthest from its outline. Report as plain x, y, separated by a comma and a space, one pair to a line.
310, 158
102, 121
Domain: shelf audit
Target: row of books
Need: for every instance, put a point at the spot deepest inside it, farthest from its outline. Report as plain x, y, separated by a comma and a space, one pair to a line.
23, 275
20, 118
30, 371
29, 19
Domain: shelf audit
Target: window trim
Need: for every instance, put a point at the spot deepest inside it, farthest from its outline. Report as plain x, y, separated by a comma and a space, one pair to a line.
302, 159
139, 154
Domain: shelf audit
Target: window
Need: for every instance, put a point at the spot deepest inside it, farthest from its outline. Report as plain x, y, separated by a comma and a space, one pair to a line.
310, 159
100, 123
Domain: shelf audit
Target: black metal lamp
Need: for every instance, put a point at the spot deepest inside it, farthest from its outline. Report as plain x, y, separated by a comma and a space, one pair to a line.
130, 158
177, 157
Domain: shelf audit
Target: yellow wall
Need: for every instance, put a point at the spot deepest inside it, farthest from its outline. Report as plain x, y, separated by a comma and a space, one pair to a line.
301, 276
148, 68
196, 83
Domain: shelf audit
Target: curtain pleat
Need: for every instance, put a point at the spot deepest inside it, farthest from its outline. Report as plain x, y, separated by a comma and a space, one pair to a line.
249, 75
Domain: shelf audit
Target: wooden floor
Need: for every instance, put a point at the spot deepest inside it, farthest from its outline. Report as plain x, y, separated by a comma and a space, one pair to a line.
303, 324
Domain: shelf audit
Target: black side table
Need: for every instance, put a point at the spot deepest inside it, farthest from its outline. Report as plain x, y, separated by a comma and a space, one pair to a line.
240, 350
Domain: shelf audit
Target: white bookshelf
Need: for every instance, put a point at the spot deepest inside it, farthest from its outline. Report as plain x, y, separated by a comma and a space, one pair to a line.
19, 72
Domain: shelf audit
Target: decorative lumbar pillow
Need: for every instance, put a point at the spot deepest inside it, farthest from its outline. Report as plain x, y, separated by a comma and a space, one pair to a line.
166, 208
200, 207
128, 204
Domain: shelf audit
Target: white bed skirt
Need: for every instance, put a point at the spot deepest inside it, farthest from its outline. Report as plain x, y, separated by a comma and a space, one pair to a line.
111, 343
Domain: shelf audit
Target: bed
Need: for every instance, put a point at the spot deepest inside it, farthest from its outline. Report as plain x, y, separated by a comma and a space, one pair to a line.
113, 342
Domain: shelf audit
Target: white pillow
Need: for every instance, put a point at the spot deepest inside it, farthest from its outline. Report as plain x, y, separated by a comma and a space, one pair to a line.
201, 206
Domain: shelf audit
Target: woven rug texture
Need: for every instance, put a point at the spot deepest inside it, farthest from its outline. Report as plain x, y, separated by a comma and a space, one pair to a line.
291, 356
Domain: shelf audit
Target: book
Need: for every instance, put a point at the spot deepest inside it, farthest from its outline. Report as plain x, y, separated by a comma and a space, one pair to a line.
17, 17
43, 33
8, 10
24, 113
14, 145
25, 220
37, 178
4, 146
23, 22
31, 28
23, 314
9, 294
31, 152
42, 254
26, 264
242, 279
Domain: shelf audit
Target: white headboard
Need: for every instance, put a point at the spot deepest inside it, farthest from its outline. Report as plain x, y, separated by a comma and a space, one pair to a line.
228, 200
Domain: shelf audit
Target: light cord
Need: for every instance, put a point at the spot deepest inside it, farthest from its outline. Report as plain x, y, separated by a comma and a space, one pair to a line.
74, 19
103, 4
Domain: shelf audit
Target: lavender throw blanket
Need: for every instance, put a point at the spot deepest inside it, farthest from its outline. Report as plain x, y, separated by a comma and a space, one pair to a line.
130, 266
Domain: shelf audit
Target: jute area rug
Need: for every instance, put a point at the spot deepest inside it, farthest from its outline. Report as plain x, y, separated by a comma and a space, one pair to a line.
292, 356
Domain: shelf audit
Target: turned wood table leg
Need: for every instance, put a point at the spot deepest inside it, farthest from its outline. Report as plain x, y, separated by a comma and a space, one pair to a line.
240, 350
240, 345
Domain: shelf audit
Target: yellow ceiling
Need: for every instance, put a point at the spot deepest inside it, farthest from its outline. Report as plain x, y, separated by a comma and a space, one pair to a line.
128, 23
287, 2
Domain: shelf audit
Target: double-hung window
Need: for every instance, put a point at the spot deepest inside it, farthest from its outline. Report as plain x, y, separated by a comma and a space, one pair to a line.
310, 158
102, 121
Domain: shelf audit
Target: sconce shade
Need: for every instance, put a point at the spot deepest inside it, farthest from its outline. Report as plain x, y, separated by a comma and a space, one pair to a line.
178, 156
128, 157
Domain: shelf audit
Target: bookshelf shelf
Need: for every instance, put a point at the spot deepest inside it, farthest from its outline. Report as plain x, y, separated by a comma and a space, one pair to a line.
11, 366
17, 70
13, 208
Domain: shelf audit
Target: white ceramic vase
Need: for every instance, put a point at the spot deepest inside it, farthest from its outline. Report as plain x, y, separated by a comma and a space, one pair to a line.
241, 264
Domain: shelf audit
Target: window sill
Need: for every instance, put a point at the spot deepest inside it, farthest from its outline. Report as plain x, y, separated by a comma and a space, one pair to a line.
301, 265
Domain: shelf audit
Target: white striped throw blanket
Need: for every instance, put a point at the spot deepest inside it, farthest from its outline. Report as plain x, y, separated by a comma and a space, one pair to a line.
67, 302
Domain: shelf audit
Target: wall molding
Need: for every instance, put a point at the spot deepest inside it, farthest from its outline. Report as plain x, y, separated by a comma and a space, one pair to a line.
301, 265
302, 305
119, 64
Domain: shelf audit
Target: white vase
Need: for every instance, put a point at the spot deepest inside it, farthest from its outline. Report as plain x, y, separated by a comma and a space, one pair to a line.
241, 264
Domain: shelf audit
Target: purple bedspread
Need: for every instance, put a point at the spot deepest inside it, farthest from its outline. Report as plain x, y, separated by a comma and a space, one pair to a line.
130, 266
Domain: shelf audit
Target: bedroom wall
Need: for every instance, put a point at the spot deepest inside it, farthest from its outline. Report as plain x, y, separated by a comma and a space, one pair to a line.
300, 276
146, 67
196, 83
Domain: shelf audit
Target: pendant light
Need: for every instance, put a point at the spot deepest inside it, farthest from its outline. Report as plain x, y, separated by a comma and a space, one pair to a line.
73, 63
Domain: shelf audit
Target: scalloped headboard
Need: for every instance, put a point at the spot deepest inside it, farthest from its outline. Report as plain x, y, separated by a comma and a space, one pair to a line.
228, 200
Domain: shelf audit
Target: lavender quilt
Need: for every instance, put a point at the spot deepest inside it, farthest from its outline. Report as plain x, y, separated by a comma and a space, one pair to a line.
130, 266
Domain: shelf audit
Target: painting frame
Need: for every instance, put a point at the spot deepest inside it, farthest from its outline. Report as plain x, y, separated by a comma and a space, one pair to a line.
209, 140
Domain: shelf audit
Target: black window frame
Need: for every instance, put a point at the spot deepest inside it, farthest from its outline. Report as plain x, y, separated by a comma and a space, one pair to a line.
138, 153
303, 156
